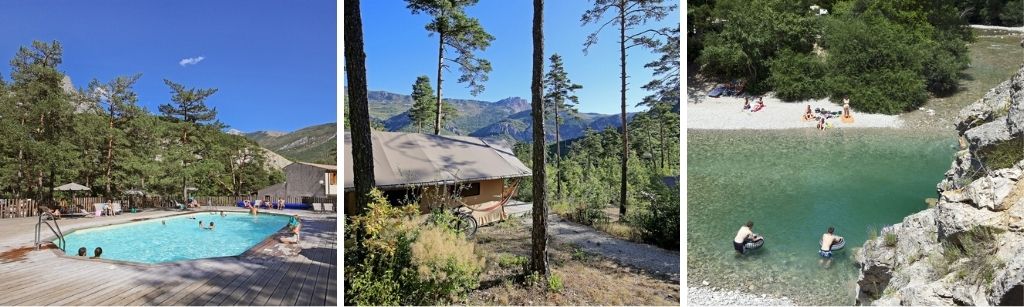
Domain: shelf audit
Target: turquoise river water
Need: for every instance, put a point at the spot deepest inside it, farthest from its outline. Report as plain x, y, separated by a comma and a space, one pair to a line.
794, 184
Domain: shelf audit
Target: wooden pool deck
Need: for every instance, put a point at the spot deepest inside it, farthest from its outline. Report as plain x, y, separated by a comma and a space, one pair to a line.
272, 274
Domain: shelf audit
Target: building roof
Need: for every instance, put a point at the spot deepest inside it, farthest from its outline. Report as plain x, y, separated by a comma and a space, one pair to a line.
323, 166
411, 159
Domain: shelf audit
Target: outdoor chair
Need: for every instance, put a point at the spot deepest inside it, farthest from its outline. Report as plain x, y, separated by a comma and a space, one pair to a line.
318, 207
115, 208
99, 208
328, 207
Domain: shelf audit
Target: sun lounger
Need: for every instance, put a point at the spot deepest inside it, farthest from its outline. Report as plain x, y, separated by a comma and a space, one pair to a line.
99, 208
115, 208
328, 207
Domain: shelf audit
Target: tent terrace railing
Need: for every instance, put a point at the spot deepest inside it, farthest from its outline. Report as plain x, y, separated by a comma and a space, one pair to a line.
15, 208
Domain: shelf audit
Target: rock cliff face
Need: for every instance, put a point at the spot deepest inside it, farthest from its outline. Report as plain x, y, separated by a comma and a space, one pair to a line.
969, 248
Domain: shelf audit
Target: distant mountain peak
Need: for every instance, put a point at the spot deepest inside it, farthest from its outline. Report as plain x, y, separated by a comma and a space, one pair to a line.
234, 131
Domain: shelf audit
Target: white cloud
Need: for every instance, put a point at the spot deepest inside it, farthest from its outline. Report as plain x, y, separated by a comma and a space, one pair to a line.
191, 61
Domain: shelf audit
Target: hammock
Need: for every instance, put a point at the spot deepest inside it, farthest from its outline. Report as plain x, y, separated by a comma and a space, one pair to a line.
506, 195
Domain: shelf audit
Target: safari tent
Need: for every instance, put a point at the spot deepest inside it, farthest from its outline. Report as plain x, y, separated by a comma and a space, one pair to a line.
440, 171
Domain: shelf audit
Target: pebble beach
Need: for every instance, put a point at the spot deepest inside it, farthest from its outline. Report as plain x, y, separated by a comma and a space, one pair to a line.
726, 113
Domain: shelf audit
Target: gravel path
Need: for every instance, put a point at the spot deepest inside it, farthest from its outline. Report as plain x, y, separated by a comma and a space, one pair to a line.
649, 258
702, 296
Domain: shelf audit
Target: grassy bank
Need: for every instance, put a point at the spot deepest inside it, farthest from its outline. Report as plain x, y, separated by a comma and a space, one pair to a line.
995, 56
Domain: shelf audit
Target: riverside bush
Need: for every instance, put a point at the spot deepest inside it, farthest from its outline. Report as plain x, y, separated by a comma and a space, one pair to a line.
797, 76
392, 260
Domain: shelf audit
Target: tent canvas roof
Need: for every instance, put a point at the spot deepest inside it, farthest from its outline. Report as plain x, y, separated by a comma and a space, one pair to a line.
401, 158
71, 187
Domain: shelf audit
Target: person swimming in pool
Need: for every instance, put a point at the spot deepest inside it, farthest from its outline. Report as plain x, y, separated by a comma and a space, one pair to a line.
222, 213
163, 222
211, 227
81, 251
97, 252
827, 240
201, 225
745, 235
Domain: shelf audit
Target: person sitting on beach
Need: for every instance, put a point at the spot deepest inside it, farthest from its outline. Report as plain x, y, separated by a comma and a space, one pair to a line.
827, 240
746, 103
808, 115
81, 251
821, 123
97, 252
760, 105
745, 235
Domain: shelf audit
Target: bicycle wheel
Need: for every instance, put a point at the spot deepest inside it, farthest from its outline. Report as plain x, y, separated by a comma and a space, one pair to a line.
467, 225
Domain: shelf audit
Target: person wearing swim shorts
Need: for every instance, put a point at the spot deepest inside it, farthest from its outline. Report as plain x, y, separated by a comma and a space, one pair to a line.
743, 236
827, 240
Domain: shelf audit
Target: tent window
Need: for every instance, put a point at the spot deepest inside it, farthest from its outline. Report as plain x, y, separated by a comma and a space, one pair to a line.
469, 189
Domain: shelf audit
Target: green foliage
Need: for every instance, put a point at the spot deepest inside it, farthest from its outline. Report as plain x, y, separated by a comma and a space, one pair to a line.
885, 55
890, 239
555, 283
971, 254
100, 137
798, 76
461, 33
657, 219
993, 12
512, 261
872, 233
392, 261
1004, 154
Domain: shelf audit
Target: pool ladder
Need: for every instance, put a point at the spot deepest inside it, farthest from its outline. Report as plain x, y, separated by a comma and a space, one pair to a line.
44, 218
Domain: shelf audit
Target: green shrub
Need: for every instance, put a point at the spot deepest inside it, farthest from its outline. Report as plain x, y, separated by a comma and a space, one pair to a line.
391, 260
890, 239
656, 219
797, 76
512, 261
555, 283
872, 233
447, 266
971, 254
1004, 154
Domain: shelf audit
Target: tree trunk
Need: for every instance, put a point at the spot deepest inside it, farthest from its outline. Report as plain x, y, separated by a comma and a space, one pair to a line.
359, 120
539, 234
558, 155
110, 150
440, 64
625, 128
661, 142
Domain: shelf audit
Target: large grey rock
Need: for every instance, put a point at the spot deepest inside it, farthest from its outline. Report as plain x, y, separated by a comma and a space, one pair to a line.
989, 192
989, 133
954, 218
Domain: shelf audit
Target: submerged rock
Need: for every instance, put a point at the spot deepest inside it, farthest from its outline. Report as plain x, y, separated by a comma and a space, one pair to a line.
969, 248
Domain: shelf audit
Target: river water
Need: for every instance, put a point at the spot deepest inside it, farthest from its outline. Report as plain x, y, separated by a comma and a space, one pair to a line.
794, 184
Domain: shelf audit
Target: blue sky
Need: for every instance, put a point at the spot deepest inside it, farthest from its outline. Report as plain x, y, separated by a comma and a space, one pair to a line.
399, 49
274, 62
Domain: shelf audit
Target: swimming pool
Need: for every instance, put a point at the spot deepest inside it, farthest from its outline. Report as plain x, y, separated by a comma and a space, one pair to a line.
177, 238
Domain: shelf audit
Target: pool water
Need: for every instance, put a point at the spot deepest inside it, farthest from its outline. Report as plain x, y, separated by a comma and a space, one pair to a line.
794, 184
153, 241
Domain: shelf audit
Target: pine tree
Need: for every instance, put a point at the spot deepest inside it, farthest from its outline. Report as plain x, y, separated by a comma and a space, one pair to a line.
461, 33
666, 88
423, 108
629, 14
119, 103
562, 101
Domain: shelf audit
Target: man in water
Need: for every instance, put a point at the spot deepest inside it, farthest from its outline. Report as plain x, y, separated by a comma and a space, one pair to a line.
827, 240
201, 225
211, 226
81, 251
97, 252
744, 236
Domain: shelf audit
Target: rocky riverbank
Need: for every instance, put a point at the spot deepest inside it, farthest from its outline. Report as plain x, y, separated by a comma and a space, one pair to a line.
966, 250
703, 296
